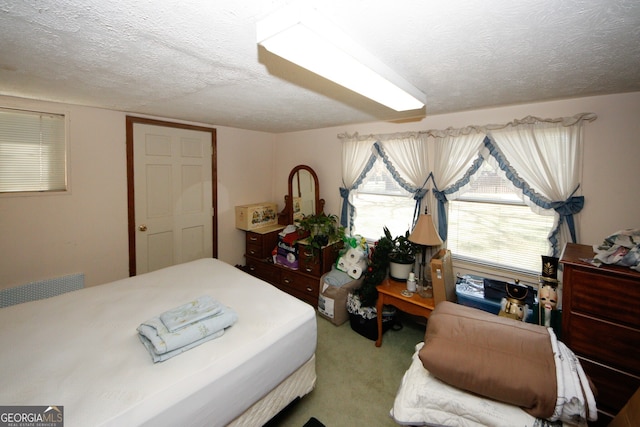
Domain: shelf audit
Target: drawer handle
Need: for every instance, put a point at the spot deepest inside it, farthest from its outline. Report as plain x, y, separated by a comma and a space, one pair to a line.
286, 281
309, 289
308, 254
308, 270
252, 252
253, 239
252, 267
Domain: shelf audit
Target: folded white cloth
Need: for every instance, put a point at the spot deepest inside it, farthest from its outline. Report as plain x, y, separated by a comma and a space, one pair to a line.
575, 401
162, 341
179, 317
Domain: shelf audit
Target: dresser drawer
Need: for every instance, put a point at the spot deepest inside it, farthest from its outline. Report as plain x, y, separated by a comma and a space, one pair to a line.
614, 388
604, 296
617, 346
255, 250
300, 283
263, 270
260, 245
309, 260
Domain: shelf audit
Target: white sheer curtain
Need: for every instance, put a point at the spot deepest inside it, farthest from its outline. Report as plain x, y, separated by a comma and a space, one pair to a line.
543, 160
408, 157
357, 158
454, 156
541, 157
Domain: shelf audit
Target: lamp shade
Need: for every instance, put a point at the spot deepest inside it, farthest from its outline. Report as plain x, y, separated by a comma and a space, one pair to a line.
424, 233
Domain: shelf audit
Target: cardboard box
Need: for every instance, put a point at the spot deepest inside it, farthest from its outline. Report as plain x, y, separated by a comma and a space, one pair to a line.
258, 215
332, 301
442, 278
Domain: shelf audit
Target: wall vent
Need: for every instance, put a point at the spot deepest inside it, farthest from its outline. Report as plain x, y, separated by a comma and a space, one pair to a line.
41, 289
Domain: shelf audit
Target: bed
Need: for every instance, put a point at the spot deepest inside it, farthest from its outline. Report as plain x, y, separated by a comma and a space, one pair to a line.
80, 350
478, 369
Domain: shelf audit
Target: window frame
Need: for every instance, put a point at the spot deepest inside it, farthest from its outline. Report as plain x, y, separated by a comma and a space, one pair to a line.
65, 115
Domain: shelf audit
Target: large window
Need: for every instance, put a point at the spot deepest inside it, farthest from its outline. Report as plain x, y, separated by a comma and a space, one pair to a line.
33, 152
490, 224
381, 202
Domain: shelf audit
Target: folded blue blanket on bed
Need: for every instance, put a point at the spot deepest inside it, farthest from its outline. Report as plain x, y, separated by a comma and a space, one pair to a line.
169, 354
201, 308
163, 343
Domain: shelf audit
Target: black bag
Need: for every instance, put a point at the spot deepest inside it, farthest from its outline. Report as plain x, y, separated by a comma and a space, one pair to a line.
497, 289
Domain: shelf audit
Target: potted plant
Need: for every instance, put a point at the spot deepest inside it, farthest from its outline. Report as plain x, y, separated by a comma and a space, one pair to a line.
361, 305
321, 228
402, 256
376, 272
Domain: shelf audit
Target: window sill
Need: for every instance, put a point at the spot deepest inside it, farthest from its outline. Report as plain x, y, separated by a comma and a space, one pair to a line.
462, 267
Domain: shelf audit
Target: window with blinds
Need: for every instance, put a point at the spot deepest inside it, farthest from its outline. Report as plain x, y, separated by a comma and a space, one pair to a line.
491, 225
33, 152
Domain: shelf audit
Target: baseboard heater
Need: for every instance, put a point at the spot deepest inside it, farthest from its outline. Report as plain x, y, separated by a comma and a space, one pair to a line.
41, 289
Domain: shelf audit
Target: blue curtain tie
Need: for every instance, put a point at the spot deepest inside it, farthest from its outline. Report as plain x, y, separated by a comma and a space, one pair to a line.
418, 196
567, 209
344, 216
442, 214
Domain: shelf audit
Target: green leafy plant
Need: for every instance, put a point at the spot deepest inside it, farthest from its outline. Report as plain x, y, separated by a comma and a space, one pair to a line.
322, 229
387, 248
376, 271
404, 251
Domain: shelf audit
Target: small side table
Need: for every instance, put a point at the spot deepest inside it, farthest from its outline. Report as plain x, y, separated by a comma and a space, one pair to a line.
389, 293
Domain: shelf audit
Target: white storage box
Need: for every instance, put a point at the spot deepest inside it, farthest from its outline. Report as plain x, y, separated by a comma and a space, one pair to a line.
257, 215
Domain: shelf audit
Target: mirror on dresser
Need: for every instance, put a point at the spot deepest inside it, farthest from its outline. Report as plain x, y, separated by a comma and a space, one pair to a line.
303, 197
300, 275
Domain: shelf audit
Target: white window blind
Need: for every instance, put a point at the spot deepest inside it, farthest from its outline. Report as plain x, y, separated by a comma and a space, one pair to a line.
33, 152
490, 224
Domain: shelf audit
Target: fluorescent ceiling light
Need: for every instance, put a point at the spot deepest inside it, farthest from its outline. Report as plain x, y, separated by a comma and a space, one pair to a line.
304, 38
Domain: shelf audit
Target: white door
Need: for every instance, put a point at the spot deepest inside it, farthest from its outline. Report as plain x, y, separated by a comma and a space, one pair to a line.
173, 197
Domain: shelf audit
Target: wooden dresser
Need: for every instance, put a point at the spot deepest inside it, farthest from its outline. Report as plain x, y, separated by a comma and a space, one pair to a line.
601, 324
303, 283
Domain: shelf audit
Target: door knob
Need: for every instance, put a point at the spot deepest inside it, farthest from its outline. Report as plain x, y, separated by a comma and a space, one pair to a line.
142, 227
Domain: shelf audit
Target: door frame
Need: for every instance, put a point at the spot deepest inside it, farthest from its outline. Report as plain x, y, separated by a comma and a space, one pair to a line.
131, 121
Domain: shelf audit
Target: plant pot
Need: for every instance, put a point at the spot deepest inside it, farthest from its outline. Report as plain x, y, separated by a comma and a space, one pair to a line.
399, 270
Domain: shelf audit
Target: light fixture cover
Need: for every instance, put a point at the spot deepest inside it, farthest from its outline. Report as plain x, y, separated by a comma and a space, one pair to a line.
424, 233
301, 36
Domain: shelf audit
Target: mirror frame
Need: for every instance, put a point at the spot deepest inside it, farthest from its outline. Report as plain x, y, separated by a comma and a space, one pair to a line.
286, 216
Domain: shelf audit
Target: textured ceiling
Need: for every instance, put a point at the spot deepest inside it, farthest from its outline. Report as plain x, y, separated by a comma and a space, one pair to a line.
198, 60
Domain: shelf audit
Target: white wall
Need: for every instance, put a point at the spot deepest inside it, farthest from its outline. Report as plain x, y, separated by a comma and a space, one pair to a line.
86, 231
46, 236
611, 153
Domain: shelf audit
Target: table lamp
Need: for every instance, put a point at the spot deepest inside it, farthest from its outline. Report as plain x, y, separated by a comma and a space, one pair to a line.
425, 234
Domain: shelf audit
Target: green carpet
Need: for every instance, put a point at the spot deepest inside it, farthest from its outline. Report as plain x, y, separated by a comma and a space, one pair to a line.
357, 381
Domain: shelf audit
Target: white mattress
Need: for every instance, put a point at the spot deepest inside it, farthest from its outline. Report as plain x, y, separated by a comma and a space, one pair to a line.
80, 350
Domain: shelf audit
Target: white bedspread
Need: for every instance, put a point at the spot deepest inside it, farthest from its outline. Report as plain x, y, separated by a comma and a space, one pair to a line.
80, 350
